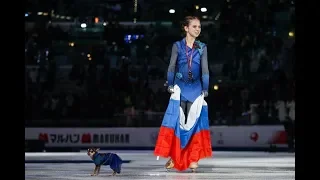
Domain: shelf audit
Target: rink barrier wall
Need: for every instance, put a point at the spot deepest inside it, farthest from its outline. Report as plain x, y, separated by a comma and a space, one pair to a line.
226, 138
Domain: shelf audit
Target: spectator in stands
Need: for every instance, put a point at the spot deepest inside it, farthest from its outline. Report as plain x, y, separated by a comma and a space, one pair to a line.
283, 118
290, 124
254, 117
281, 108
149, 54
130, 113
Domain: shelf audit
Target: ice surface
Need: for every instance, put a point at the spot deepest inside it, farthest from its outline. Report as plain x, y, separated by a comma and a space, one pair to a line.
144, 165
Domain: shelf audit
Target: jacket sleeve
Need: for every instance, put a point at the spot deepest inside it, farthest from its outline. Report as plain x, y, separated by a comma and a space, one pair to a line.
172, 65
205, 69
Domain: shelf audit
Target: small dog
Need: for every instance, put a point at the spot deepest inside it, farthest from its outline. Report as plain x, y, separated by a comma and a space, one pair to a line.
99, 159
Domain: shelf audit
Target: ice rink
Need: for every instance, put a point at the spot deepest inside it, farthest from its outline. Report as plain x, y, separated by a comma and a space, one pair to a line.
143, 165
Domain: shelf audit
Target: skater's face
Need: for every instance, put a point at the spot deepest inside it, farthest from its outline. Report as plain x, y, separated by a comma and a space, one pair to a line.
193, 28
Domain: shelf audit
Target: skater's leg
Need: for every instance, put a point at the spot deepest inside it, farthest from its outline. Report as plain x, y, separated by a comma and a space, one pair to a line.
193, 165
183, 105
188, 109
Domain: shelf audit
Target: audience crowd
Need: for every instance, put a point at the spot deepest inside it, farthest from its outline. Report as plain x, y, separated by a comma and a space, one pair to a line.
114, 75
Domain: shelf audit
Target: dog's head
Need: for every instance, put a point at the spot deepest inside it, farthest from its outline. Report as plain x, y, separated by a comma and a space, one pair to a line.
92, 151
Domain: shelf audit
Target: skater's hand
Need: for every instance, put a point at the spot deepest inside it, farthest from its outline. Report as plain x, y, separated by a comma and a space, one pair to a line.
205, 93
170, 89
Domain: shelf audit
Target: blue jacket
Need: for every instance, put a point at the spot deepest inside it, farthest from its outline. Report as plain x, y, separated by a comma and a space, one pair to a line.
178, 69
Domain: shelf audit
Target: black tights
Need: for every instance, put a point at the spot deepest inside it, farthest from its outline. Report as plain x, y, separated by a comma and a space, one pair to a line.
185, 105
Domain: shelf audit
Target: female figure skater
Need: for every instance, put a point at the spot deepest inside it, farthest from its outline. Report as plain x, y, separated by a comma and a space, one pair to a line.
184, 134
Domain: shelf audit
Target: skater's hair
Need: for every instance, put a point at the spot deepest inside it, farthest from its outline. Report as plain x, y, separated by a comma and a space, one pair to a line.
187, 21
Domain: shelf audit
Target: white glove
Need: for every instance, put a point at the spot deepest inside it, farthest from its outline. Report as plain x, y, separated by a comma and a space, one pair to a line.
205, 93
170, 89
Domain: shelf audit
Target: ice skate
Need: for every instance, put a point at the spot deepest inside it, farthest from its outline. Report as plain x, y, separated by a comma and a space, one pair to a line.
193, 166
169, 164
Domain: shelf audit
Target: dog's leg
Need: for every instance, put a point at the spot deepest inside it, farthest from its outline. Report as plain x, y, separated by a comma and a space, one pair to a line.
94, 171
98, 170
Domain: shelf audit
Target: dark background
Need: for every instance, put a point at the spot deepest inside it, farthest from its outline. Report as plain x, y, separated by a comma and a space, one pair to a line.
111, 73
